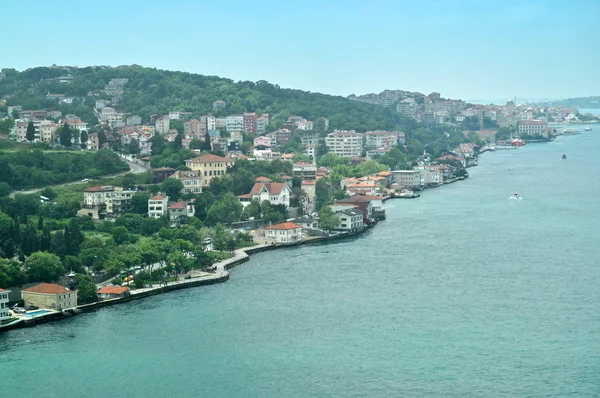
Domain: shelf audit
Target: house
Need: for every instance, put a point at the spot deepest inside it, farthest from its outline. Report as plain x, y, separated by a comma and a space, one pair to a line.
181, 209
160, 174
209, 166
192, 180
157, 206
133, 120
283, 233
280, 137
162, 125
263, 141
66, 100
362, 188
351, 220
276, 193
50, 295
4, 314
307, 222
93, 141
99, 201
53, 97
361, 203
407, 178
113, 292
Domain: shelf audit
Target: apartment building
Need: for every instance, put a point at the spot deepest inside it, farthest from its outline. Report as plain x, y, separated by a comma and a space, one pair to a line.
209, 166
381, 139
533, 128
157, 206
345, 143
234, 123
192, 180
249, 122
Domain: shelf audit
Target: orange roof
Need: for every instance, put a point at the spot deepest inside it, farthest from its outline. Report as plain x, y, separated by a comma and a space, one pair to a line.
384, 173
208, 159
284, 226
1, 290
100, 189
47, 288
158, 197
178, 205
361, 186
113, 290
309, 182
262, 179
274, 188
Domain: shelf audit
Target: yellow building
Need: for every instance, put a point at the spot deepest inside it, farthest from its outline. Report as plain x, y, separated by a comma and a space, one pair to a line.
209, 166
49, 295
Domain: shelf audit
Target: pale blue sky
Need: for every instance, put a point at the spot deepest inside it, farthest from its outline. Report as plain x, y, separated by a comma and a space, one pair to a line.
463, 49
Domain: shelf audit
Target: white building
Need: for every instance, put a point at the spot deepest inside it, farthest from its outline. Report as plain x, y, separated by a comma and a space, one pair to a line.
283, 233
157, 206
351, 220
234, 123
345, 143
381, 139
192, 180
162, 125
276, 193
408, 178
4, 314
181, 209
533, 128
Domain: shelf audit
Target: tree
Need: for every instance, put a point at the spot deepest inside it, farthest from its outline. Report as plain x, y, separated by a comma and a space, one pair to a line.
17, 229
30, 134
172, 188
253, 210
370, 167
29, 242
40, 224
83, 137
120, 235
227, 210
58, 244
132, 147
6, 227
102, 138
4, 189
86, 289
327, 218
44, 267
65, 136
139, 203
9, 248
73, 237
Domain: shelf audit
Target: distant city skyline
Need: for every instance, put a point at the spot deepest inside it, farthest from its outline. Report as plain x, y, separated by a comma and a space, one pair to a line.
461, 49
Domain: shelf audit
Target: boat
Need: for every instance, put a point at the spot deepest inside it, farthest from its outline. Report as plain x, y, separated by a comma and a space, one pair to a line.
517, 142
570, 132
588, 128
564, 156
515, 195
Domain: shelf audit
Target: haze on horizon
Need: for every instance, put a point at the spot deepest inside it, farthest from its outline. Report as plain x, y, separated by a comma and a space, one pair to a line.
463, 49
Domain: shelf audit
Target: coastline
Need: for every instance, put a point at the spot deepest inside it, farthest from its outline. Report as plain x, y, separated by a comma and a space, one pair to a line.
220, 275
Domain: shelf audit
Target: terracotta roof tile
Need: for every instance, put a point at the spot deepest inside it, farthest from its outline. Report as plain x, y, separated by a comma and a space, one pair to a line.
47, 288
208, 159
284, 226
158, 197
113, 290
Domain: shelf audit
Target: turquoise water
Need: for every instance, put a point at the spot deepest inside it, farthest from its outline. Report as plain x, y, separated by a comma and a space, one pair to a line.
460, 293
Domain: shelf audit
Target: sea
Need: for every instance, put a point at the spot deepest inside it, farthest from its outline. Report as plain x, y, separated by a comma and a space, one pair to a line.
462, 292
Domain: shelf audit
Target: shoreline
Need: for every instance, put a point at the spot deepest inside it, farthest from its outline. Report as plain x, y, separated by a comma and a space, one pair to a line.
221, 274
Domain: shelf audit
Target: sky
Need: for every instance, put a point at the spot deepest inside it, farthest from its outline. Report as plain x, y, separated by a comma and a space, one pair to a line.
471, 49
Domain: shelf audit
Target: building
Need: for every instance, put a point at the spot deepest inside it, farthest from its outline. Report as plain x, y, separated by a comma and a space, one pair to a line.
351, 220
157, 206
93, 141
160, 174
407, 107
162, 125
263, 140
283, 233
361, 203
304, 170
113, 292
310, 138
210, 166
234, 123
105, 200
381, 139
134, 120
181, 209
345, 143
4, 314
195, 128
192, 180
219, 104
408, 178
280, 137
250, 123
49, 295
262, 123
276, 193
533, 128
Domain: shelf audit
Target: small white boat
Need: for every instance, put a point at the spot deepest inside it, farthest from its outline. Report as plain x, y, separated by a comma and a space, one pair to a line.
588, 128
515, 195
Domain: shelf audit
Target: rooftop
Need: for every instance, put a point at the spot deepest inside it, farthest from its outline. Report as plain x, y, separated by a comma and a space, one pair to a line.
208, 159
47, 288
284, 226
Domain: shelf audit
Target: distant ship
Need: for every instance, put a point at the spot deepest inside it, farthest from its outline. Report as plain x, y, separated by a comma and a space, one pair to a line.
515, 195
588, 128
564, 156
570, 132
517, 142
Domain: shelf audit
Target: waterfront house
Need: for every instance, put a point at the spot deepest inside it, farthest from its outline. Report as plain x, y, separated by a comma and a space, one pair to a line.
50, 295
351, 220
4, 314
407, 178
113, 292
364, 204
307, 222
283, 233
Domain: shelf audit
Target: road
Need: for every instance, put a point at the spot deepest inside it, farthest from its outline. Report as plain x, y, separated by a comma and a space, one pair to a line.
134, 168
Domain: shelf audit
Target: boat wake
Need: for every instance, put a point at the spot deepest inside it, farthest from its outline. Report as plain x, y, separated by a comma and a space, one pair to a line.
515, 198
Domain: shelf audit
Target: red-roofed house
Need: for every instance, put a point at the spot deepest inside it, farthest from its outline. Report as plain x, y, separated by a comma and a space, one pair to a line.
283, 233
276, 193
113, 292
181, 209
50, 295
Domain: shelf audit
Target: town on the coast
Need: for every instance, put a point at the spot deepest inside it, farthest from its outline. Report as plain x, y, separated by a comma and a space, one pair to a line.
122, 183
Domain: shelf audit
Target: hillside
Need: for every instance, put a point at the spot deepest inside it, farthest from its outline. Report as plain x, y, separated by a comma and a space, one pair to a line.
151, 91
579, 103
